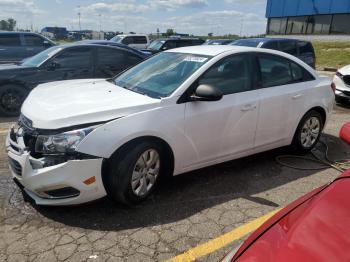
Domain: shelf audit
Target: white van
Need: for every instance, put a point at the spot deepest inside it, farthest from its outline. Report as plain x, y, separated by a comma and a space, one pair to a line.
132, 40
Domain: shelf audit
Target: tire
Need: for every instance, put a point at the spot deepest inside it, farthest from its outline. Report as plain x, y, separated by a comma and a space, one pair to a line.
121, 166
308, 132
11, 99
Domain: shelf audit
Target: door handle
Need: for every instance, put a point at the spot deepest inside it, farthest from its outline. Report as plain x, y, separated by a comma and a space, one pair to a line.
297, 96
249, 107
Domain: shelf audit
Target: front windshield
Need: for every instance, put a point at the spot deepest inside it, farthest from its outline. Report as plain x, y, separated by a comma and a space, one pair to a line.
40, 58
117, 39
247, 42
156, 45
162, 74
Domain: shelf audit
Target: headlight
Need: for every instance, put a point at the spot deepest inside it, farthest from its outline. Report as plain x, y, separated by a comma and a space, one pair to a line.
61, 143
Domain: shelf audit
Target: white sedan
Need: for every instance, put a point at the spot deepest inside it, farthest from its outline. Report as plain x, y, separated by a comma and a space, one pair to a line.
178, 111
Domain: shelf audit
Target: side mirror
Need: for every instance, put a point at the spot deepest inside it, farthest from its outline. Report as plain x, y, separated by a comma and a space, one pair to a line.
206, 93
52, 66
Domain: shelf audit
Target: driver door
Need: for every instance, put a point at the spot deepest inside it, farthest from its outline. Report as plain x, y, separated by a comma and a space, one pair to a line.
221, 129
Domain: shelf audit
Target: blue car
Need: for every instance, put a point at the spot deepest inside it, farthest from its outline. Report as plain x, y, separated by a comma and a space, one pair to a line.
16, 46
301, 49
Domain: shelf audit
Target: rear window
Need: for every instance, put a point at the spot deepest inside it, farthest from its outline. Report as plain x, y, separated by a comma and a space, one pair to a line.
10, 40
305, 47
288, 47
247, 42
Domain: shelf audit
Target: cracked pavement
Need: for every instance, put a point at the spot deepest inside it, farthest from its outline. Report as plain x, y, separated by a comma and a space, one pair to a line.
185, 211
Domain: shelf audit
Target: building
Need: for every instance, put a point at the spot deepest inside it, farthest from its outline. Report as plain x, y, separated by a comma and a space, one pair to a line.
308, 17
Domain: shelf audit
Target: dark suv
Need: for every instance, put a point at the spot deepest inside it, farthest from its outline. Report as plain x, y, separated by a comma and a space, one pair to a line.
15, 46
301, 49
160, 45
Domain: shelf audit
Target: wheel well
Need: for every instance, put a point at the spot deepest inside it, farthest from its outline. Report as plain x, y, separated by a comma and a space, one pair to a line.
322, 113
122, 150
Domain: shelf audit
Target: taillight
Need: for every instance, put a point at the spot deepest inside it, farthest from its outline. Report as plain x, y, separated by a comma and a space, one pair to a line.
333, 86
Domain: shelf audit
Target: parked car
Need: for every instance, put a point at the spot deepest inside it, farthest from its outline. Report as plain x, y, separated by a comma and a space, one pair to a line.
218, 42
110, 43
301, 49
132, 40
342, 85
314, 228
60, 63
15, 46
177, 111
170, 43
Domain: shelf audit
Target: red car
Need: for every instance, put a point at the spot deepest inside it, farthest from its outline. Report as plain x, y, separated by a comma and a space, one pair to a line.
316, 227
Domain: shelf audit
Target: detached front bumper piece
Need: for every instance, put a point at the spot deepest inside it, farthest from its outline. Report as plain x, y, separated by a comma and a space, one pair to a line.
69, 183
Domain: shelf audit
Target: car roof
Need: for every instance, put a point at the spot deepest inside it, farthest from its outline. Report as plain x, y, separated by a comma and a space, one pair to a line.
211, 50
266, 39
15, 32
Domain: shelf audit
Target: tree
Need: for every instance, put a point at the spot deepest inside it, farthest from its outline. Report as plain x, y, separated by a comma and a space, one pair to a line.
8, 25
170, 32
11, 24
210, 34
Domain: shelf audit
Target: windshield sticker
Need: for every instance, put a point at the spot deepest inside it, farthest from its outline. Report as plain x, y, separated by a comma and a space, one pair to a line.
197, 59
54, 52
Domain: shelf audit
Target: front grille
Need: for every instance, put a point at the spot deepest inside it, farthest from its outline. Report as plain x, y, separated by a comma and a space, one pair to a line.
15, 166
346, 93
346, 79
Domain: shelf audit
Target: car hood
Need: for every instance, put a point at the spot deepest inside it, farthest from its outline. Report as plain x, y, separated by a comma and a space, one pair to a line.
317, 230
74, 102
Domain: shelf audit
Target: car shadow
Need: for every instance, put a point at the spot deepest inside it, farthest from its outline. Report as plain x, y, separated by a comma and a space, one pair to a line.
188, 194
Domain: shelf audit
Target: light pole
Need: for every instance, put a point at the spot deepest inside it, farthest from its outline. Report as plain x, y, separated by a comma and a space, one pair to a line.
79, 14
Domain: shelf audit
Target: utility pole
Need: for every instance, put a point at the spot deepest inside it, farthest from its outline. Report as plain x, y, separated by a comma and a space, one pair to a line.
241, 30
99, 35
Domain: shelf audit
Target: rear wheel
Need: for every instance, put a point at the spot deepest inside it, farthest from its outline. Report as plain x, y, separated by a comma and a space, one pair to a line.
11, 99
308, 132
133, 175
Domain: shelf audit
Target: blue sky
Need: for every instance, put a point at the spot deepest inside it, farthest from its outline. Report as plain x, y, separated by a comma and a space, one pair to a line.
198, 17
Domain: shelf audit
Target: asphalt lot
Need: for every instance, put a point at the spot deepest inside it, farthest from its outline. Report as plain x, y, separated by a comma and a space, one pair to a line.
184, 212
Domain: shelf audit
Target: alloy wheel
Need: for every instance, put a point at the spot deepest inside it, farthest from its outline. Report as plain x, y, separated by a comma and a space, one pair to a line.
310, 132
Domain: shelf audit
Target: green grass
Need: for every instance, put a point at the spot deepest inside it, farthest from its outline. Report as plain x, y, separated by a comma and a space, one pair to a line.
332, 54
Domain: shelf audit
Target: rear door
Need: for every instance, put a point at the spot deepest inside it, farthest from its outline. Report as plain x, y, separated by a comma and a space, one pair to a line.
112, 61
70, 63
11, 49
283, 86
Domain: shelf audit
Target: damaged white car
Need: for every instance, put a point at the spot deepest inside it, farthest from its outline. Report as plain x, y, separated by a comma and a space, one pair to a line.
183, 109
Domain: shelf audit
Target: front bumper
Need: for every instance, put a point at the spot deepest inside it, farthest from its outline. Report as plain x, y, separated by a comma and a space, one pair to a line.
342, 96
70, 174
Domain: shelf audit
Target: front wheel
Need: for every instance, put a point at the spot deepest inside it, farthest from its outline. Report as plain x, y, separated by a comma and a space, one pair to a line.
11, 99
134, 174
308, 132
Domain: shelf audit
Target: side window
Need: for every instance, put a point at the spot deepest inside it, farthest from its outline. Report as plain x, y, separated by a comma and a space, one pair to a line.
140, 40
33, 40
127, 40
277, 71
10, 40
109, 57
74, 58
270, 45
169, 45
288, 47
183, 43
131, 60
230, 75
